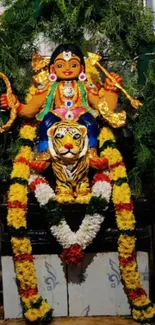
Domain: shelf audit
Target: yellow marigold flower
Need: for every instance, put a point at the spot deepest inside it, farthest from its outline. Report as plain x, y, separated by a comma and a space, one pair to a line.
30, 300
118, 172
16, 217
105, 135
141, 301
26, 275
113, 155
44, 308
21, 245
125, 220
130, 276
25, 152
20, 170
126, 245
136, 314
131, 284
149, 312
143, 314
131, 267
28, 132
121, 194
18, 192
32, 314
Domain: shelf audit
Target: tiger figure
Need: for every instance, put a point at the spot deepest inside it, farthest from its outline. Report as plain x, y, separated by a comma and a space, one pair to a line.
68, 147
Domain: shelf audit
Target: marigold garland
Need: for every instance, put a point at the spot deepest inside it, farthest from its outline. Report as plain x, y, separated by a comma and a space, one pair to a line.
35, 309
142, 308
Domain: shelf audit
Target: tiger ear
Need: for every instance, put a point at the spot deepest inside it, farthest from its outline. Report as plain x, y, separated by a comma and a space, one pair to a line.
51, 131
83, 130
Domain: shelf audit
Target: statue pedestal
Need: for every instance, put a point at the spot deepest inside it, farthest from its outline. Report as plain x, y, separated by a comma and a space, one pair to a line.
93, 288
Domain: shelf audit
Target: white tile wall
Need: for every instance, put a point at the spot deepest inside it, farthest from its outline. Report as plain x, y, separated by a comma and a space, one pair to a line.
51, 283
94, 288
102, 292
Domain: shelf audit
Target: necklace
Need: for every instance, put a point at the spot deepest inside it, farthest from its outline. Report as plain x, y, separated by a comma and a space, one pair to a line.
68, 93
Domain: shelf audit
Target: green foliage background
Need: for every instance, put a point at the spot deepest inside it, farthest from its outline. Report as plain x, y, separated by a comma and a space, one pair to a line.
120, 30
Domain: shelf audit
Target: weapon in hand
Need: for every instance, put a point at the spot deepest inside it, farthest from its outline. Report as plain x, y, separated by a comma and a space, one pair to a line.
94, 59
13, 111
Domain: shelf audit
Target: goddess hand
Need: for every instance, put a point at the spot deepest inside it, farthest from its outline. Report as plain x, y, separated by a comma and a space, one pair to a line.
4, 102
110, 84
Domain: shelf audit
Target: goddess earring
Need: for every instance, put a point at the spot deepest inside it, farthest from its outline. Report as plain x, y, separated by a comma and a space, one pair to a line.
82, 76
52, 77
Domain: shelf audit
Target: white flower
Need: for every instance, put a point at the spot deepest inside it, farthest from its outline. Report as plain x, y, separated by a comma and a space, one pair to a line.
33, 178
102, 189
43, 193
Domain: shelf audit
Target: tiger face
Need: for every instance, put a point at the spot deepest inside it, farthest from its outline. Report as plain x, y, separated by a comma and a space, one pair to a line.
67, 140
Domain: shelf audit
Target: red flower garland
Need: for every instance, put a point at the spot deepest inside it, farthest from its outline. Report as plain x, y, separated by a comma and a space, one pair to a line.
73, 255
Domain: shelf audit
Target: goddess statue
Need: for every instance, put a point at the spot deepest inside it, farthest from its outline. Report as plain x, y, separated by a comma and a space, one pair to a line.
63, 93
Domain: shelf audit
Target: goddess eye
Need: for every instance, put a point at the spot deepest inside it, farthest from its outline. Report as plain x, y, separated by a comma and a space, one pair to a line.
76, 136
59, 136
74, 65
59, 66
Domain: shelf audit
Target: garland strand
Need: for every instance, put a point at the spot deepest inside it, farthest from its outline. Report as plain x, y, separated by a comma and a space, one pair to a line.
35, 309
73, 243
142, 308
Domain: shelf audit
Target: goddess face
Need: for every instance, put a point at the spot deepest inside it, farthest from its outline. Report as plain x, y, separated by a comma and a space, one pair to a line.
67, 66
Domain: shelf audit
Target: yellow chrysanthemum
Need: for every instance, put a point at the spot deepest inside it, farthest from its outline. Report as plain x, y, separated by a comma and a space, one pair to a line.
21, 246
113, 155
125, 220
131, 285
25, 152
137, 314
126, 245
16, 217
20, 170
149, 312
31, 300
28, 132
44, 308
141, 301
118, 172
32, 314
121, 194
105, 135
131, 267
18, 192
26, 274
143, 314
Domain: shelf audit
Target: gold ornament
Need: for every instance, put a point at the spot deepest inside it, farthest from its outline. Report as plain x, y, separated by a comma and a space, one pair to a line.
11, 104
94, 58
39, 62
116, 120
92, 73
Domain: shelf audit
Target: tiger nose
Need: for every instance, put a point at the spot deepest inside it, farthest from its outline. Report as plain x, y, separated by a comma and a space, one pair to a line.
68, 145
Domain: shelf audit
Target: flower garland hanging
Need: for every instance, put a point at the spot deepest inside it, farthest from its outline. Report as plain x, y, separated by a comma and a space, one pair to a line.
142, 308
73, 243
35, 309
